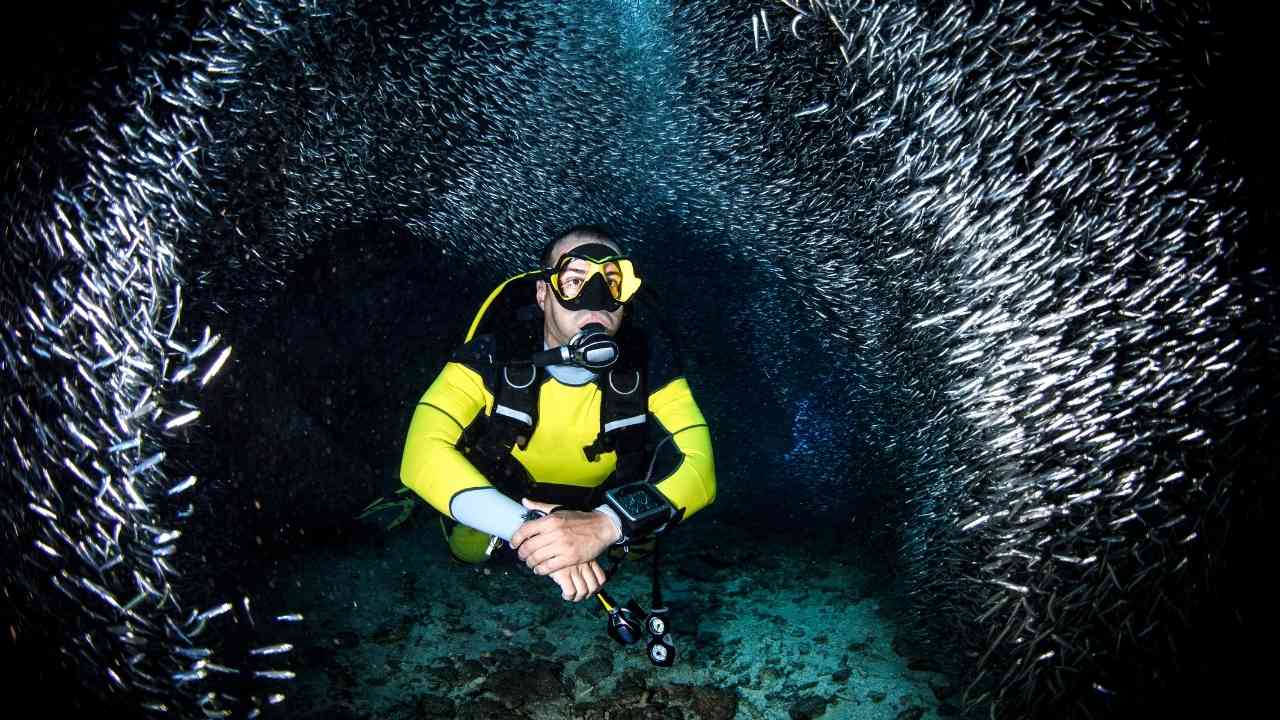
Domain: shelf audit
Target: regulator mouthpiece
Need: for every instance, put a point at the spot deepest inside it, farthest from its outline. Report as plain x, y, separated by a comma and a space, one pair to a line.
592, 348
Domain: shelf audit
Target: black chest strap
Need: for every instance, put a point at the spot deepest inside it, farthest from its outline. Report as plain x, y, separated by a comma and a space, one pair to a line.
488, 442
623, 422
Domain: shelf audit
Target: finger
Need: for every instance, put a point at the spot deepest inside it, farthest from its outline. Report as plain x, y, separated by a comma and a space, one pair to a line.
566, 585
534, 541
535, 505
535, 555
526, 530
598, 572
548, 528
589, 579
550, 558
579, 583
521, 534
531, 528
551, 562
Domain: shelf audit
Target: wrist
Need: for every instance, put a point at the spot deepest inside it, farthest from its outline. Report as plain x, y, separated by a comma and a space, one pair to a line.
640, 509
612, 528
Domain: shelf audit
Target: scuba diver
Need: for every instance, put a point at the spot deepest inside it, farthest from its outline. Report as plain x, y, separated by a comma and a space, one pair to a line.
540, 438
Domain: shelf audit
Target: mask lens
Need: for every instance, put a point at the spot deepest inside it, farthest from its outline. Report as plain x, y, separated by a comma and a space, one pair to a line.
613, 278
573, 273
571, 276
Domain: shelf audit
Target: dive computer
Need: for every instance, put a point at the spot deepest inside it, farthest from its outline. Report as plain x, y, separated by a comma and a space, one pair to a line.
642, 509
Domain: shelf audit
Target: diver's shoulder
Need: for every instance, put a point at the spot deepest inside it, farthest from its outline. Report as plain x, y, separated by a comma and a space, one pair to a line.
479, 350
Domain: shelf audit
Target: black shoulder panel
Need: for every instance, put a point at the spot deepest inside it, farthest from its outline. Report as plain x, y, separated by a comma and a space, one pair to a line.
509, 331
513, 306
479, 352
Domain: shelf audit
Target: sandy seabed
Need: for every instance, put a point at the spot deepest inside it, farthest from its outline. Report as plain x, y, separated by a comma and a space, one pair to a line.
396, 629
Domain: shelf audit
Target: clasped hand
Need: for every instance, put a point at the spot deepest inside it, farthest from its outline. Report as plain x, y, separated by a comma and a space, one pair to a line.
564, 546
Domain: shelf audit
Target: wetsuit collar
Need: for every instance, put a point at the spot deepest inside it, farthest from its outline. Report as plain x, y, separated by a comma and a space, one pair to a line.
569, 374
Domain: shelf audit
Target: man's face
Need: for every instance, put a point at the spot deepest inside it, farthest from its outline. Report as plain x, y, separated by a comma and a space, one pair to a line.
561, 323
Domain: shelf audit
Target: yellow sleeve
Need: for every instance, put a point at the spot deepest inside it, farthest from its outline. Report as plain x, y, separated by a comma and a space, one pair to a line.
692, 485
432, 465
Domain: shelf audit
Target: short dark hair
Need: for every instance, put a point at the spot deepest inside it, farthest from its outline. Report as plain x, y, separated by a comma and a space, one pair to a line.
592, 231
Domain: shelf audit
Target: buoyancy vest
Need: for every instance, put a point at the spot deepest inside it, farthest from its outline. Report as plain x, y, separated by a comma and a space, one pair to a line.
507, 331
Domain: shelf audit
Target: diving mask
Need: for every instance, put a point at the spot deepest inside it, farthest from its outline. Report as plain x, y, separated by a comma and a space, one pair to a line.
593, 277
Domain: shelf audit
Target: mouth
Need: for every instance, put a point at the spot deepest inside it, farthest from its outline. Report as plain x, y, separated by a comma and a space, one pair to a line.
600, 318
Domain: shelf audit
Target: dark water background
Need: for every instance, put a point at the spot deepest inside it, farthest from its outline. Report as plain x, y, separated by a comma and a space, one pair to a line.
326, 374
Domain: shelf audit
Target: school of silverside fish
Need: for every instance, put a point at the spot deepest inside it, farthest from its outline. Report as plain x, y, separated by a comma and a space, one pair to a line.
1004, 217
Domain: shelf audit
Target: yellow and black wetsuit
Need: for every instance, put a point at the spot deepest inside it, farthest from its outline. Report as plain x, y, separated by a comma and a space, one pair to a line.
568, 420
